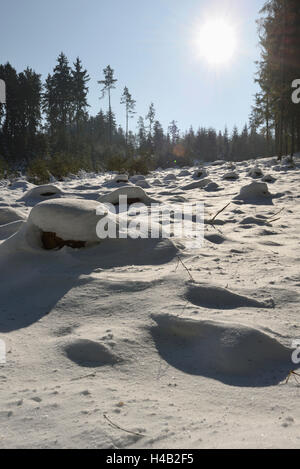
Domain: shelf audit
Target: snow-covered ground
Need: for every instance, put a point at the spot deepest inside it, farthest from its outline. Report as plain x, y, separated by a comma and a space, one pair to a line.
146, 343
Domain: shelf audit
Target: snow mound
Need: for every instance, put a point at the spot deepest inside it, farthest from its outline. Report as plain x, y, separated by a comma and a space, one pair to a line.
157, 182
213, 297
69, 219
268, 178
11, 228
134, 195
254, 191
214, 348
88, 353
40, 193
196, 185
170, 177
212, 187
143, 183
9, 215
255, 172
215, 238
253, 221
200, 173
231, 176
121, 178
136, 178
21, 183
184, 173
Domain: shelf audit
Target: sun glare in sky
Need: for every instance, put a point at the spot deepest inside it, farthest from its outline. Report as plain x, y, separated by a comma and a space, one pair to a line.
216, 41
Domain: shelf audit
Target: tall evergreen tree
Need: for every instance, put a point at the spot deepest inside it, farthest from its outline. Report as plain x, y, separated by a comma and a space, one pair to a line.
174, 132
80, 79
108, 85
58, 102
129, 106
279, 28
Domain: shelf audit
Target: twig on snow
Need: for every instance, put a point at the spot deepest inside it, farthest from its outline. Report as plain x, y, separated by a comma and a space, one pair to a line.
182, 263
114, 425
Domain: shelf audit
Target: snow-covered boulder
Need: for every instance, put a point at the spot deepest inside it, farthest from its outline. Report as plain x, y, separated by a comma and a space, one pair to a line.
60, 222
200, 173
197, 185
170, 177
136, 178
212, 187
254, 191
9, 215
43, 192
21, 183
268, 178
134, 194
255, 173
184, 173
157, 182
121, 178
231, 176
69, 219
143, 183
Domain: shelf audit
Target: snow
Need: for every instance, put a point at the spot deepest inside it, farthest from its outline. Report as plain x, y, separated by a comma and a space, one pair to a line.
255, 172
68, 218
130, 192
231, 175
9, 215
189, 347
121, 178
40, 193
212, 348
254, 191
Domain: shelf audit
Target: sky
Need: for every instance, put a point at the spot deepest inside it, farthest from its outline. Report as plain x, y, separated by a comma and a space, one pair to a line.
152, 47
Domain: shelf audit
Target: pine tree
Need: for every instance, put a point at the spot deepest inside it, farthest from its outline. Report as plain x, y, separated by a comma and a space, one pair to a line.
151, 118
174, 132
129, 106
108, 85
80, 79
58, 102
279, 28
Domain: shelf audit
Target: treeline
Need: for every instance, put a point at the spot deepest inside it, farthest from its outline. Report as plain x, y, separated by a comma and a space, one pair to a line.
46, 128
274, 112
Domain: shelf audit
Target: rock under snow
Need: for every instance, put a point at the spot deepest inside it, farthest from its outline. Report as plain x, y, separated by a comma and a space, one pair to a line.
134, 194
253, 191
184, 173
201, 173
197, 185
268, 178
231, 176
143, 183
121, 178
69, 219
42, 192
255, 172
212, 187
137, 177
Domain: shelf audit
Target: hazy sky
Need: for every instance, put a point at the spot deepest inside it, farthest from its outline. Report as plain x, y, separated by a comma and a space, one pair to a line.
151, 46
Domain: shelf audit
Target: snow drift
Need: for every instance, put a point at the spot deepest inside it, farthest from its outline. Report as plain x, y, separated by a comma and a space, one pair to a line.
217, 349
133, 194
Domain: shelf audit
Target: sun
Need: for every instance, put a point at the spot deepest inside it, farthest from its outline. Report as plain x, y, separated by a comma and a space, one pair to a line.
216, 41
